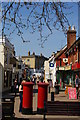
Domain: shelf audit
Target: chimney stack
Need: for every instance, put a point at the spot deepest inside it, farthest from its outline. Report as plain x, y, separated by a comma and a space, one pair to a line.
58, 51
41, 54
33, 53
28, 53
71, 36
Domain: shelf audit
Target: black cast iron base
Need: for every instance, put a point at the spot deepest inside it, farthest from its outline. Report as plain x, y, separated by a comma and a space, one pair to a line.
26, 111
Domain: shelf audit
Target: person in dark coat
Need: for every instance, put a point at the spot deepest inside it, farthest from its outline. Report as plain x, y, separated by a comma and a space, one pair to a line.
15, 84
20, 94
76, 83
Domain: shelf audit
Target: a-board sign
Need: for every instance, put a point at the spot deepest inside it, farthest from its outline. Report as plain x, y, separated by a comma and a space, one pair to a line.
72, 93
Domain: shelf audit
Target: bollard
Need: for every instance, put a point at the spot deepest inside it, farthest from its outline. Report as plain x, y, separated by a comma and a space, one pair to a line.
52, 96
45, 110
49, 89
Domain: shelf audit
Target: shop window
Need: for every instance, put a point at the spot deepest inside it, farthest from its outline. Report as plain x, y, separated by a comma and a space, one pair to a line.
19, 66
5, 78
14, 65
66, 55
5, 59
10, 78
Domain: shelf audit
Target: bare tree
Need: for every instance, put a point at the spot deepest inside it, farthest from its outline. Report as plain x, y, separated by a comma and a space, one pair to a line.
39, 15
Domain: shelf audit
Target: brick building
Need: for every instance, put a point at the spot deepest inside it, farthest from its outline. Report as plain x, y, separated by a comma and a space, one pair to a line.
74, 56
60, 57
61, 61
68, 60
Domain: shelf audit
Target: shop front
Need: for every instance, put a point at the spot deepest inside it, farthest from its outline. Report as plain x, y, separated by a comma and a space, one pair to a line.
69, 75
76, 69
60, 75
65, 75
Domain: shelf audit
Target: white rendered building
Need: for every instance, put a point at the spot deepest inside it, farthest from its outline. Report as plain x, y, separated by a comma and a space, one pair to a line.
6, 53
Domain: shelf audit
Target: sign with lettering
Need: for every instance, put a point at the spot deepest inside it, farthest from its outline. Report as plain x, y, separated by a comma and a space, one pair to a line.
61, 68
65, 60
68, 67
72, 93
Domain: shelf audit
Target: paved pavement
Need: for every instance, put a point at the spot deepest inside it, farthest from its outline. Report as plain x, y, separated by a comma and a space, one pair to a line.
59, 97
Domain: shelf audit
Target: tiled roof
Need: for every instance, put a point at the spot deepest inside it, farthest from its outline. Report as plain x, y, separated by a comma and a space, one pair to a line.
61, 52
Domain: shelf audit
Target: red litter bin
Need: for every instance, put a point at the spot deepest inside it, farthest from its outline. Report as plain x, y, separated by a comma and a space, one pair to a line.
42, 96
27, 97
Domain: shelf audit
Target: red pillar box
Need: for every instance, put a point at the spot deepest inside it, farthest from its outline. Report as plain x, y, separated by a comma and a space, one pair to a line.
27, 97
42, 96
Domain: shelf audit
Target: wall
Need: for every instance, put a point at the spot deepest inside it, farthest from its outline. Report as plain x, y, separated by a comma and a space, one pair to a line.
39, 62
6, 49
54, 74
73, 57
50, 70
2, 54
79, 53
29, 61
0, 80
58, 60
46, 69
71, 37
2, 62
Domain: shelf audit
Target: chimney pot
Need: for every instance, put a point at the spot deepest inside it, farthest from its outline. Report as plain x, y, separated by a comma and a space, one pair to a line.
73, 27
33, 53
28, 53
69, 27
41, 54
58, 51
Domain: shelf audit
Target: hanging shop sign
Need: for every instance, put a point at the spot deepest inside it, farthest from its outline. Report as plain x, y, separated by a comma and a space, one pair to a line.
51, 64
68, 67
61, 68
65, 60
75, 66
72, 93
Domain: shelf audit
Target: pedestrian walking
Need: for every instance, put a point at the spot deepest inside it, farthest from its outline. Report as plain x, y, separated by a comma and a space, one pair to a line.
15, 84
20, 94
37, 79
